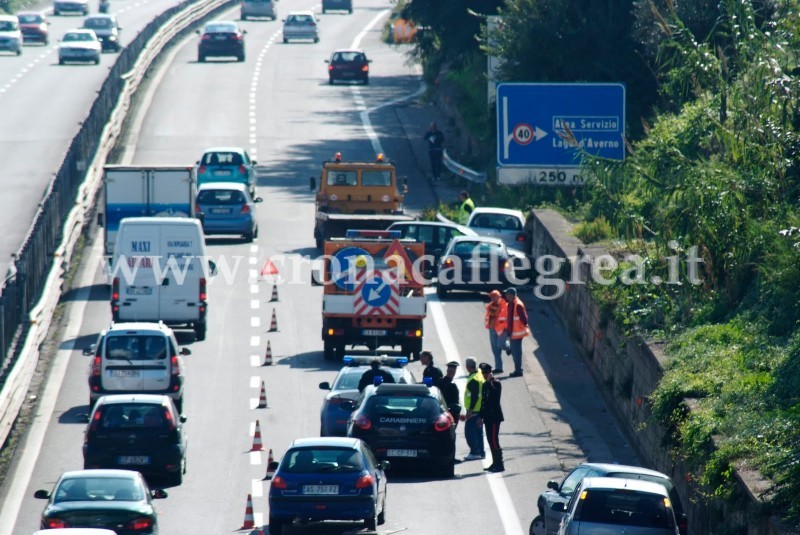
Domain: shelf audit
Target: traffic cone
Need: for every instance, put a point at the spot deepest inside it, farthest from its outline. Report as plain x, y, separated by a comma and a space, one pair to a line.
249, 521
274, 297
270, 471
268, 355
257, 445
262, 400
273, 326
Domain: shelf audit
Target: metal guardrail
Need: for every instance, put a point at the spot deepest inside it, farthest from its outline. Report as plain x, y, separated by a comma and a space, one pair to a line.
33, 286
462, 170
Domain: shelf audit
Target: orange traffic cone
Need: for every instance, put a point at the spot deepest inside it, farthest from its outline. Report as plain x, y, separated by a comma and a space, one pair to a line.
249, 522
268, 355
274, 297
273, 326
257, 445
262, 400
270, 471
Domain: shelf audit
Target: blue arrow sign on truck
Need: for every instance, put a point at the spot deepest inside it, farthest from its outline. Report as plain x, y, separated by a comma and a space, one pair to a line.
544, 125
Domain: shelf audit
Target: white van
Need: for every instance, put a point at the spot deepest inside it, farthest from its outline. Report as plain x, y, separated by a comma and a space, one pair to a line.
159, 272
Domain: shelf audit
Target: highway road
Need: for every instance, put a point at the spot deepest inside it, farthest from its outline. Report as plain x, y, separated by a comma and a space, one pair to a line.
279, 105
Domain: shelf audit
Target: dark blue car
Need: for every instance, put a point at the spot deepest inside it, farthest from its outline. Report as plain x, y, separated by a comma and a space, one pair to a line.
227, 208
327, 478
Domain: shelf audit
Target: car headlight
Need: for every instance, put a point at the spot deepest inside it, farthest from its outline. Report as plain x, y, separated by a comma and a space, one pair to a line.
112, 37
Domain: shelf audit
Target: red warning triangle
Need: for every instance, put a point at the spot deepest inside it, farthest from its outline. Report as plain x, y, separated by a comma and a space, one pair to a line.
398, 252
268, 268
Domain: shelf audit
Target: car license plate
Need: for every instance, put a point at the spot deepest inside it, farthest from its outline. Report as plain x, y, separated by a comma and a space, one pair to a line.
321, 489
220, 210
139, 291
126, 373
220, 37
222, 172
401, 453
134, 459
374, 332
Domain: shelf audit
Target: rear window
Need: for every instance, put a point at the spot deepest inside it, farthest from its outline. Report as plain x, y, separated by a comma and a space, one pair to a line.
220, 28
319, 460
136, 347
222, 158
7, 26
349, 381
624, 508
481, 249
98, 489
300, 19
496, 221
30, 19
98, 23
220, 197
403, 406
133, 416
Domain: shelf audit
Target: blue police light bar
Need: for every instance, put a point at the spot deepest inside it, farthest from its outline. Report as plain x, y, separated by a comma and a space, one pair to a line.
381, 234
377, 380
362, 360
428, 381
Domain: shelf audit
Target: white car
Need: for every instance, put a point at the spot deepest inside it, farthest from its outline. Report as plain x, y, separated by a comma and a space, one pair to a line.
79, 45
503, 223
301, 25
10, 34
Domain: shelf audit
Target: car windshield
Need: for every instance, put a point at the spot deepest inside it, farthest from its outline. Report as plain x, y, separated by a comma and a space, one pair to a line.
221, 197
496, 221
78, 36
135, 347
347, 57
7, 26
131, 417
222, 158
300, 19
342, 178
319, 460
623, 507
97, 23
376, 178
98, 489
31, 19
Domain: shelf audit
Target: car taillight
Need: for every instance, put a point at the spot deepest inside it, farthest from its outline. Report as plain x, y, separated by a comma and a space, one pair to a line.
56, 523
443, 422
362, 422
203, 293
242, 170
520, 237
331, 67
170, 421
365, 482
174, 366
238, 37
140, 524
96, 420
245, 209
201, 169
198, 210
205, 37
365, 68
115, 289
96, 366
278, 483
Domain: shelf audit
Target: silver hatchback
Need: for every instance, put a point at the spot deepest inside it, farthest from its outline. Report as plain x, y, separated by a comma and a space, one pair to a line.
301, 25
259, 8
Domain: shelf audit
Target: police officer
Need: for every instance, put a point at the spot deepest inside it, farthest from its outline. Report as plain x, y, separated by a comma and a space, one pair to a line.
466, 208
426, 358
368, 377
473, 431
490, 415
450, 392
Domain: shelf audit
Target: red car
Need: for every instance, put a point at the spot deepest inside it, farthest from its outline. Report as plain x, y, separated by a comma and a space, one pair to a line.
348, 65
34, 27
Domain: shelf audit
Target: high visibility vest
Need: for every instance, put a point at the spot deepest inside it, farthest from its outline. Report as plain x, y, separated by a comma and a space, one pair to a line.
475, 376
463, 214
518, 329
493, 311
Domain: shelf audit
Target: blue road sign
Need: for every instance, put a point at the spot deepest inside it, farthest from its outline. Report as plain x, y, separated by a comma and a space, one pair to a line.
543, 125
343, 268
376, 292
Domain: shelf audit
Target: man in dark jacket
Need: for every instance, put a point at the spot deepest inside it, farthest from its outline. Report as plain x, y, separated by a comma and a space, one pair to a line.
450, 391
426, 359
368, 377
490, 415
435, 139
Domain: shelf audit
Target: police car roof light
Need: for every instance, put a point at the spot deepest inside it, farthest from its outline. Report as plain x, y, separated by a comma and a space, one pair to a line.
381, 234
428, 381
377, 380
365, 360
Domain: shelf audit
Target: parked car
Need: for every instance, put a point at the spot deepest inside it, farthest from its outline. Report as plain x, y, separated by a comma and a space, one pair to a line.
503, 223
79, 45
408, 423
349, 65
10, 35
475, 263
337, 5
141, 432
327, 479
301, 25
563, 491
334, 412
617, 505
259, 8
35, 27
227, 208
107, 29
118, 500
137, 358
70, 6
221, 39
436, 235
227, 164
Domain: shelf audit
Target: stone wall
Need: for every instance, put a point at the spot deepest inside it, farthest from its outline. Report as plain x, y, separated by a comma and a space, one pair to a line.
626, 372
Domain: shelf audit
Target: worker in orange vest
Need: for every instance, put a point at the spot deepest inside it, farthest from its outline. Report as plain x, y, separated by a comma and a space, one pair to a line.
515, 318
498, 338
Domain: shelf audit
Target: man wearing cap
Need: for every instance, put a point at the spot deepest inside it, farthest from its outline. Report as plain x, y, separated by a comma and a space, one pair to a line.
368, 377
490, 415
450, 392
426, 359
515, 318
473, 431
497, 330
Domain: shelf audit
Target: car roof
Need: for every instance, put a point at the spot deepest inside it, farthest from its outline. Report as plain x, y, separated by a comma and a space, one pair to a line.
8, 18
334, 442
461, 228
147, 399
100, 16
138, 326
101, 472
80, 30
387, 389
358, 50
224, 149
491, 210
239, 186
306, 12
483, 239
29, 13
620, 483
610, 468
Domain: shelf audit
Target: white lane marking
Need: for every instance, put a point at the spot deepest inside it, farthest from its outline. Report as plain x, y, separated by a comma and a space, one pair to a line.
255, 304
254, 288
502, 498
258, 518
257, 490
255, 458
255, 381
252, 260
255, 321
255, 361
255, 341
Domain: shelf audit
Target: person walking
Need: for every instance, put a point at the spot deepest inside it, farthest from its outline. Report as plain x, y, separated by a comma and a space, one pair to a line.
449, 390
515, 319
466, 207
435, 139
497, 331
491, 415
473, 431
368, 377
426, 358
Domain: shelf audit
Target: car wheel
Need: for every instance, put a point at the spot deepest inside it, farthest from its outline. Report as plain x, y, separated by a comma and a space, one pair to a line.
201, 58
537, 526
200, 331
285, 40
316, 39
255, 232
371, 523
177, 478
350, 10
324, 10
441, 291
248, 237
179, 404
366, 81
329, 351
330, 80
56, 12
244, 17
97, 60
240, 57
448, 470
60, 61
275, 526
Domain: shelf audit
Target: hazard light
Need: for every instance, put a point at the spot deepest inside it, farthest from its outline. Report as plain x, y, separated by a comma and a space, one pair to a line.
379, 159
337, 157
379, 234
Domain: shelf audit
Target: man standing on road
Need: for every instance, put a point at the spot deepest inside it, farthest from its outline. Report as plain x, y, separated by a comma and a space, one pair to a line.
426, 358
497, 330
449, 391
435, 139
515, 318
473, 431
490, 415
466, 208
368, 377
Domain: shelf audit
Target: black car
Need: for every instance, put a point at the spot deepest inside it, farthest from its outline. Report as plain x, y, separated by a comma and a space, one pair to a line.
475, 263
141, 432
221, 39
118, 500
107, 30
406, 423
337, 5
349, 65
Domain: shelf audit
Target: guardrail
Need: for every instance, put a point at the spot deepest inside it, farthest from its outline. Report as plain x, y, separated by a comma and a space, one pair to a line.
462, 170
33, 286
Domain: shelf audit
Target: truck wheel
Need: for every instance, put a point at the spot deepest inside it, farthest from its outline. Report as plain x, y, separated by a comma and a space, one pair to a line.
441, 291
200, 331
318, 241
329, 351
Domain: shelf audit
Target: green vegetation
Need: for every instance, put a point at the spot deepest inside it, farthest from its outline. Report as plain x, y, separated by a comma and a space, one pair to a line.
713, 128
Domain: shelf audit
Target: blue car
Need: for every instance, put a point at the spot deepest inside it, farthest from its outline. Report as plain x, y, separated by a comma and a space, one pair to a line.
227, 164
327, 479
227, 208
334, 412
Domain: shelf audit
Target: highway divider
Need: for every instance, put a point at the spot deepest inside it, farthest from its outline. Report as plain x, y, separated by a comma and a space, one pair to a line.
34, 284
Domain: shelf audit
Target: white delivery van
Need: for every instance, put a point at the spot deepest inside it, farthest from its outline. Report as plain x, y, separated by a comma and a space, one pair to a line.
159, 271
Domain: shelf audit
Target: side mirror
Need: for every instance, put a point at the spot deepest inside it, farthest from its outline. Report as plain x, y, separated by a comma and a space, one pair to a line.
385, 465
89, 351
186, 351
41, 495
327, 61
324, 385
198, 33
212, 268
253, 162
559, 507
159, 494
182, 418
244, 32
312, 183
258, 199
83, 418
552, 485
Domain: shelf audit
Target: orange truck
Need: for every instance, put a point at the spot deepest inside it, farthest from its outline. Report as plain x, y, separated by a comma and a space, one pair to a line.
356, 195
373, 293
